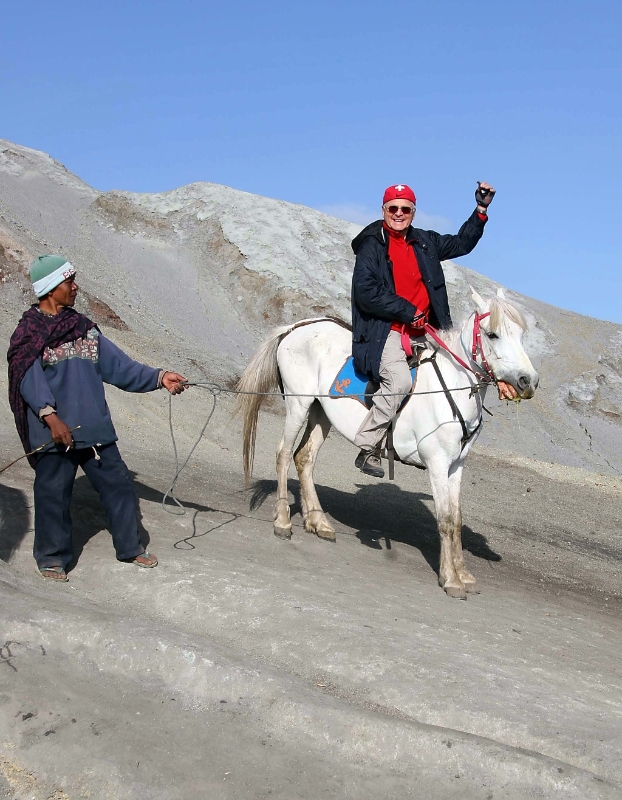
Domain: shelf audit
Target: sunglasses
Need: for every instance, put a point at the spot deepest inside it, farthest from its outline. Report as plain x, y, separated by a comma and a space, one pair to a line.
403, 209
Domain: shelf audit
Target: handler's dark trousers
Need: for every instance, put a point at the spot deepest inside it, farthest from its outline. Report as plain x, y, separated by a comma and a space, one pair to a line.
55, 476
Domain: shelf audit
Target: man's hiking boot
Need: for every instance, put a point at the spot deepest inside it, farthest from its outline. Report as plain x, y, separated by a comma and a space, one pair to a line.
368, 461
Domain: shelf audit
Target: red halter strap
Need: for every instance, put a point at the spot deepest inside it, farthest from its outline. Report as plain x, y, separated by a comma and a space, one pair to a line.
477, 344
487, 372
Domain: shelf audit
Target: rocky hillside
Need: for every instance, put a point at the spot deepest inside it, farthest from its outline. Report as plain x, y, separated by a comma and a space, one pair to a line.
204, 271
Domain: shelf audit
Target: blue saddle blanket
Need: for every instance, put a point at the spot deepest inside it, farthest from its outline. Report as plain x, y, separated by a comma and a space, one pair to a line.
352, 383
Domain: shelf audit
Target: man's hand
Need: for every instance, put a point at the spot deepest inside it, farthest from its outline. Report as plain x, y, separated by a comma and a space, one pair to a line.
484, 195
506, 391
174, 382
61, 434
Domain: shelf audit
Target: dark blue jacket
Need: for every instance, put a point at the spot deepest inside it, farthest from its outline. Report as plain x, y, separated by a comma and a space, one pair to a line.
375, 305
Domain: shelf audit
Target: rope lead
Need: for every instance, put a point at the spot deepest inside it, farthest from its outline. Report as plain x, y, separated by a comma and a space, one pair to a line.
216, 390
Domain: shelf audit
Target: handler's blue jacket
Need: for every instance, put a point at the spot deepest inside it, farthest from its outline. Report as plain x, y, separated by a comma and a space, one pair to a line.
375, 305
71, 378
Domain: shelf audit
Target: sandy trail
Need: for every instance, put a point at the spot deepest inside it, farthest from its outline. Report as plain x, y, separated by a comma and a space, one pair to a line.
346, 671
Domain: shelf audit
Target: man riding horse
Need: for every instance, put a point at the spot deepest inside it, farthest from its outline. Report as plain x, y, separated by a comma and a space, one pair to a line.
397, 286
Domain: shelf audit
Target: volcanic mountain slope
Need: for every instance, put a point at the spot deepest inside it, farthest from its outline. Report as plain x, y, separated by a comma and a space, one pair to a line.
204, 271
246, 666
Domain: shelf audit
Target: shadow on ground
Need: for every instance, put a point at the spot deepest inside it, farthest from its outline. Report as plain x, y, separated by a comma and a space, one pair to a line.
89, 517
381, 512
14, 520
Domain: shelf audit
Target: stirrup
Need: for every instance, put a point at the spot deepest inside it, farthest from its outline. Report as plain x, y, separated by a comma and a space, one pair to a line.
370, 463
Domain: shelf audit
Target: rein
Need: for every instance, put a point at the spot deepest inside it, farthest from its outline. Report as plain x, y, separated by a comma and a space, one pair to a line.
466, 436
484, 373
484, 370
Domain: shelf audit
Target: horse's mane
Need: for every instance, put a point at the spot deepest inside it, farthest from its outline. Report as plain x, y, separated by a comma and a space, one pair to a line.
499, 308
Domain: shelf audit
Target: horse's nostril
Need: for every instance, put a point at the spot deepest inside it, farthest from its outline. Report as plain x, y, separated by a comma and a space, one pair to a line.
523, 382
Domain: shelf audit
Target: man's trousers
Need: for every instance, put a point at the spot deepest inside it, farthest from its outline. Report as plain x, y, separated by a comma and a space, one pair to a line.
55, 476
395, 384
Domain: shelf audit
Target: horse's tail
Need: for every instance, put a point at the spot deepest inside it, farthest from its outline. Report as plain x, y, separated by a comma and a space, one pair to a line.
261, 376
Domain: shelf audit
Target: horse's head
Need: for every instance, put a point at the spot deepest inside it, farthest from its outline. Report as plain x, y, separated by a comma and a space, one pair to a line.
502, 343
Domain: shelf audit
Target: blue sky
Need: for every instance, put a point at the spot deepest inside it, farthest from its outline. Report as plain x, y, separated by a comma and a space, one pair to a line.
327, 103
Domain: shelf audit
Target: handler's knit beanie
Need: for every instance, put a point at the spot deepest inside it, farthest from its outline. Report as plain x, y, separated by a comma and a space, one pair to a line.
48, 271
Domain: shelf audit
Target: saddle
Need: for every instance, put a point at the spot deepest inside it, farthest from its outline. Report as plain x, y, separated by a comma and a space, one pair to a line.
351, 383
356, 385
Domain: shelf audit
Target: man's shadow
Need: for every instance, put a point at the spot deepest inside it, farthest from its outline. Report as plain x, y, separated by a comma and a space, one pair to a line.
380, 512
89, 518
14, 520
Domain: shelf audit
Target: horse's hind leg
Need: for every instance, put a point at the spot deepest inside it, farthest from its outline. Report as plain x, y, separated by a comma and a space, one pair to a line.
455, 478
317, 430
296, 414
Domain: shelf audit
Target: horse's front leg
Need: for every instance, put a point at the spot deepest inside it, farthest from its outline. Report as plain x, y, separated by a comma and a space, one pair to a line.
317, 430
448, 576
455, 480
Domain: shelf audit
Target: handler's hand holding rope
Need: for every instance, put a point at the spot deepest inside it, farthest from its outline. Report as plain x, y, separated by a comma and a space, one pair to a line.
174, 383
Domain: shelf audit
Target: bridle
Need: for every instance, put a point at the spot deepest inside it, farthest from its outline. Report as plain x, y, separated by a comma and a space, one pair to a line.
484, 371
477, 345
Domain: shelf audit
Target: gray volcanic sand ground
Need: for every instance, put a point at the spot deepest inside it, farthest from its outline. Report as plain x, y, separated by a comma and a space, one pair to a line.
249, 667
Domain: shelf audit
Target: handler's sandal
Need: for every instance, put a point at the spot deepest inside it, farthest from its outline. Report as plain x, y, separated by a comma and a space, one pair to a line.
145, 560
54, 574
368, 461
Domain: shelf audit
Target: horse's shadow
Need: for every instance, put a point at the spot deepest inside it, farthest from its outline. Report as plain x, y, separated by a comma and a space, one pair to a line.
380, 512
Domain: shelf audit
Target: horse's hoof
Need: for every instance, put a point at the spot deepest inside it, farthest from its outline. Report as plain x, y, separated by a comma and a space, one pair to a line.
321, 529
457, 592
282, 533
472, 588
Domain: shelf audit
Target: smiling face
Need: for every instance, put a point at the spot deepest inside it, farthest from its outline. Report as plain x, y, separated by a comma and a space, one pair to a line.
398, 215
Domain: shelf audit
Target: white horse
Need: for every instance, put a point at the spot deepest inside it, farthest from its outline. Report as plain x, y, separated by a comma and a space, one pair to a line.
304, 359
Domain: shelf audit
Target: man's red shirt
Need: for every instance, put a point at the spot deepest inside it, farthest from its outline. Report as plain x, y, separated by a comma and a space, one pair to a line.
407, 278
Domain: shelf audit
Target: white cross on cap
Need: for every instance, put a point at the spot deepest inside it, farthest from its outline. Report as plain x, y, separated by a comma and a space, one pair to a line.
400, 187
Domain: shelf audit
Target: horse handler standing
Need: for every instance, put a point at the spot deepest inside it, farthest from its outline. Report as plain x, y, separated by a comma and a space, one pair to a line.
398, 285
58, 364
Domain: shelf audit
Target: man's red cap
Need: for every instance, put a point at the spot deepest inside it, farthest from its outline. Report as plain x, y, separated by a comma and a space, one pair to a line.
399, 192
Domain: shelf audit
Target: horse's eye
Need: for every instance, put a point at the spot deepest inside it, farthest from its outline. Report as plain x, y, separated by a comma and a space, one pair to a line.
492, 336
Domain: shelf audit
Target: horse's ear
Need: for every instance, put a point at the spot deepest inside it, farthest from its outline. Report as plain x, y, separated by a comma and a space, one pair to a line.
479, 301
501, 294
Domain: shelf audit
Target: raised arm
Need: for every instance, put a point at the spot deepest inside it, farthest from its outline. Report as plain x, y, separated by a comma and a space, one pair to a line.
454, 246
